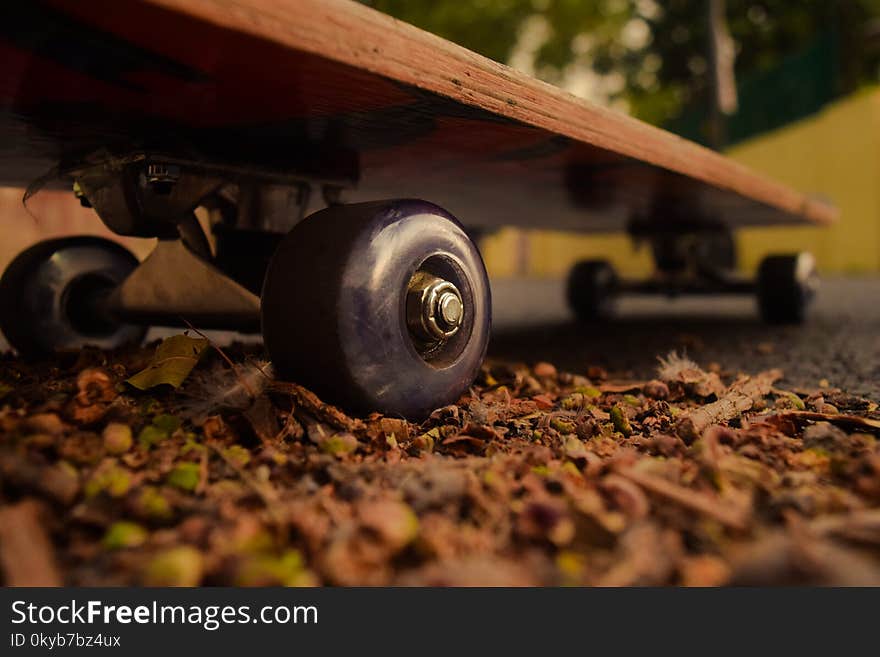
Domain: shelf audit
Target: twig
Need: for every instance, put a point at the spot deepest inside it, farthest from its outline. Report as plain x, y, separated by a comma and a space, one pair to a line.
848, 421
739, 398
310, 402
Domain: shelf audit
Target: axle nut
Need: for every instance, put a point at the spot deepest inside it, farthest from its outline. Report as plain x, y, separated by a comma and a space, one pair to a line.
434, 308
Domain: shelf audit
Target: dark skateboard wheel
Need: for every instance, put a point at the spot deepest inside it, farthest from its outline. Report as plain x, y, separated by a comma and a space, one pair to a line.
50, 296
592, 289
378, 306
786, 285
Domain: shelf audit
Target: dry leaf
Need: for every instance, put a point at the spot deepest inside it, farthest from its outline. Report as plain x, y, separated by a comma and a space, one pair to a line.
174, 359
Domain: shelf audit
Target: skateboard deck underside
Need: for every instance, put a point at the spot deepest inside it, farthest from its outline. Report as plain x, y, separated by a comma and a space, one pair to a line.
339, 90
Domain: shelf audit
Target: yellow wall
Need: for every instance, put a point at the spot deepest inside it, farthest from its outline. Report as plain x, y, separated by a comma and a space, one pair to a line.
835, 153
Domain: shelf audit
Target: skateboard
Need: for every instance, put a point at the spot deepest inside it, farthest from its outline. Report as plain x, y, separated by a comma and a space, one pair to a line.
347, 162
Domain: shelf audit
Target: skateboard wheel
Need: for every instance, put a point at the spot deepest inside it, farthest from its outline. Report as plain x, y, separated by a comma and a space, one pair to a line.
592, 290
786, 285
50, 296
380, 306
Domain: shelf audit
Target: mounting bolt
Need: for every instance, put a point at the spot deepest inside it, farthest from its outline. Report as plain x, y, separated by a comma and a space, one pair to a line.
161, 177
434, 308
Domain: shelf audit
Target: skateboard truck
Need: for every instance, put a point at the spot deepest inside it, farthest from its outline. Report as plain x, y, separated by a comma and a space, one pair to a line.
380, 306
696, 258
175, 286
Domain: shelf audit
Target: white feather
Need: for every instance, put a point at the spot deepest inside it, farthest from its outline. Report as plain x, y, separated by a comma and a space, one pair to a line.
674, 366
226, 388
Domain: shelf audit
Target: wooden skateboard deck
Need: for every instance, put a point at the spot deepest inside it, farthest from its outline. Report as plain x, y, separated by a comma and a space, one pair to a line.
333, 85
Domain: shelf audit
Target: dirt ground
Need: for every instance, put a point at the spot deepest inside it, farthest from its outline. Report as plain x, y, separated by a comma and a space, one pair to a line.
693, 474
839, 343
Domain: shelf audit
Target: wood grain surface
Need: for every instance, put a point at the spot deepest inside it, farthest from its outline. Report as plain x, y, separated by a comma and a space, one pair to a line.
267, 81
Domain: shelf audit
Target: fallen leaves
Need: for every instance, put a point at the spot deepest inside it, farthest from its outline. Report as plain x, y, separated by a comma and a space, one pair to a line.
393, 521
700, 502
174, 359
95, 392
178, 566
117, 438
536, 477
740, 397
803, 418
125, 534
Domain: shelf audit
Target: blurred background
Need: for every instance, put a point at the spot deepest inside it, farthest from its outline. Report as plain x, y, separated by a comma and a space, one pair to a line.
787, 88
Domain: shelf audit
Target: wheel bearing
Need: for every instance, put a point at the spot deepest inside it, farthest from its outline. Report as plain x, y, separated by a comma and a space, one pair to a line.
434, 308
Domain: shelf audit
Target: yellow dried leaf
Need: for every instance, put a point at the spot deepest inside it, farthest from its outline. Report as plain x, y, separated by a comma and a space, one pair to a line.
174, 359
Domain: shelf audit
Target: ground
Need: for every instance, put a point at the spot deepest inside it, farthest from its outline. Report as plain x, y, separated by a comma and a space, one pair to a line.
839, 343
606, 467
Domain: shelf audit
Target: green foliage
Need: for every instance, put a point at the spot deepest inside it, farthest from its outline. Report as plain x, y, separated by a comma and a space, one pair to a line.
153, 504
162, 427
151, 435
620, 421
178, 566
237, 455
339, 444
488, 27
124, 534
658, 49
167, 422
113, 480
185, 476
267, 570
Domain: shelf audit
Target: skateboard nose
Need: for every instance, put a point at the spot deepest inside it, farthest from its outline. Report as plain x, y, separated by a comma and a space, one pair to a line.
435, 309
